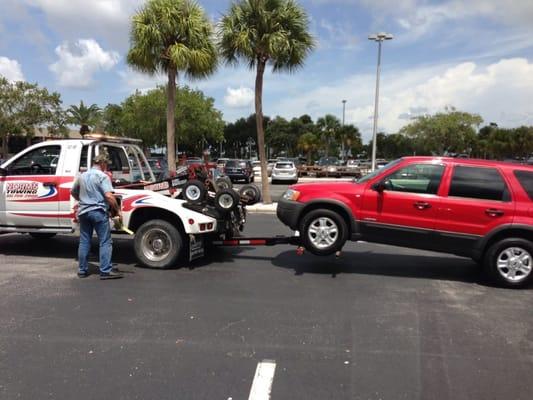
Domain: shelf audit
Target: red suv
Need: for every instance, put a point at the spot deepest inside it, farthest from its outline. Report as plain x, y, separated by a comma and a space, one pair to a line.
474, 208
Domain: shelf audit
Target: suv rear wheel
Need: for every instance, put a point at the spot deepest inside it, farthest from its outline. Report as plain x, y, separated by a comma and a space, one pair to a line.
509, 262
323, 232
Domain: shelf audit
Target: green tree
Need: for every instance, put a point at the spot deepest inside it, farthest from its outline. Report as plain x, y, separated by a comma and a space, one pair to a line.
329, 127
237, 133
25, 107
111, 120
85, 117
262, 32
350, 139
446, 132
172, 36
309, 143
198, 122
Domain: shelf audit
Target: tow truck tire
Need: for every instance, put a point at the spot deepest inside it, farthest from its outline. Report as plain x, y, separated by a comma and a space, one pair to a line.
227, 200
42, 235
323, 232
194, 191
251, 192
224, 183
158, 244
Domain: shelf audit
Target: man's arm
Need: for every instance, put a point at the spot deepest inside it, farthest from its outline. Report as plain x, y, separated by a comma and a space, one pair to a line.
75, 191
113, 204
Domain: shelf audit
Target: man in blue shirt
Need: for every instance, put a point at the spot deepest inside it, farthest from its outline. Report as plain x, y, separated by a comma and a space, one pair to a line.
94, 192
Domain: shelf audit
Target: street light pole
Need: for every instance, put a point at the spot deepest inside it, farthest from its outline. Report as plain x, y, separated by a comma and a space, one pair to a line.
342, 136
378, 37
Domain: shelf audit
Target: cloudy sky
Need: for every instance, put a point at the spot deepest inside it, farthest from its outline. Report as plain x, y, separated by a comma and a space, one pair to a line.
476, 55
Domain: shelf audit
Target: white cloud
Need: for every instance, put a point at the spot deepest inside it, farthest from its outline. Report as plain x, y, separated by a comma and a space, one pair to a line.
239, 98
500, 92
10, 69
133, 80
78, 62
107, 20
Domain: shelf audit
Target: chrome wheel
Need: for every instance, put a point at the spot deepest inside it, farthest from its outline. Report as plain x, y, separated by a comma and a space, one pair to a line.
514, 264
156, 244
226, 201
323, 232
193, 193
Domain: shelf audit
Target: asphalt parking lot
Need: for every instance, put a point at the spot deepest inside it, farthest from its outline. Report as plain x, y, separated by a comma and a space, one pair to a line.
378, 323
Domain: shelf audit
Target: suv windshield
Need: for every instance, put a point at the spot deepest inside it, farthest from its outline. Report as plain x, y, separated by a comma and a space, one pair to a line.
378, 171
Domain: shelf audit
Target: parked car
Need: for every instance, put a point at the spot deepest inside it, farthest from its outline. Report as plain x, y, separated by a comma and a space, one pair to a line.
256, 166
239, 170
284, 171
221, 163
270, 165
159, 166
328, 166
352, 168
473, 208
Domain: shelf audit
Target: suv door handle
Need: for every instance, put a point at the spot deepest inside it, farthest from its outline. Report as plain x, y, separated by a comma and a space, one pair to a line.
49, 184
492, 212
421, 205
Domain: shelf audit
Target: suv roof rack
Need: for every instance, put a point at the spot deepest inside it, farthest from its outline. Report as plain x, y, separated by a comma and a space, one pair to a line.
111, 139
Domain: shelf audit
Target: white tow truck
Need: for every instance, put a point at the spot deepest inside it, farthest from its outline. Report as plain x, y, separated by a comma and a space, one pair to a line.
35, 199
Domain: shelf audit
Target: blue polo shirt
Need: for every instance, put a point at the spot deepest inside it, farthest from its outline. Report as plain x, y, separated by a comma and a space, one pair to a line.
91, 187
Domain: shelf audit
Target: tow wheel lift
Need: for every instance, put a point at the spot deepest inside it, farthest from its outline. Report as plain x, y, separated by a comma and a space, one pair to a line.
258, 241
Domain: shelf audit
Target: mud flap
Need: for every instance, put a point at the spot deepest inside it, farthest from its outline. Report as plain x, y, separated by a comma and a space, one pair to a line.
196, 247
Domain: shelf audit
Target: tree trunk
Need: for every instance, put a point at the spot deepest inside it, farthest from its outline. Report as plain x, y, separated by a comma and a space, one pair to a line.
171, 122
260, 132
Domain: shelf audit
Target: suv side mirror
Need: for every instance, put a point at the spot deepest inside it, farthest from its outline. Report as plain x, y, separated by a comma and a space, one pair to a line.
379, 186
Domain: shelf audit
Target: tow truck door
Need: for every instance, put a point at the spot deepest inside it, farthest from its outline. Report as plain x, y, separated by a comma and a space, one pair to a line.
30, 189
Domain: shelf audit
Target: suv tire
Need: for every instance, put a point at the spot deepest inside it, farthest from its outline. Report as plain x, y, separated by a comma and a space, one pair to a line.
323, 232
158, 244
509, 262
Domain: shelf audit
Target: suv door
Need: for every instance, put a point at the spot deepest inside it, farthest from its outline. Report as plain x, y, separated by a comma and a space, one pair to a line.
478, 200
400, 208
30, 189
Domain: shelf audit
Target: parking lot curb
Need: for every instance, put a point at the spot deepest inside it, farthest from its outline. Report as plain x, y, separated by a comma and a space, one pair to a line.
261, 208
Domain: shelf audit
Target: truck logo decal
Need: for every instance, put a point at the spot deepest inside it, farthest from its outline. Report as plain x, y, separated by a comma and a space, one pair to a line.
28, 191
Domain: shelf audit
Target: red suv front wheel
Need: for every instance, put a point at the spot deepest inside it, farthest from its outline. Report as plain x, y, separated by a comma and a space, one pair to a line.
509, 262
323, 232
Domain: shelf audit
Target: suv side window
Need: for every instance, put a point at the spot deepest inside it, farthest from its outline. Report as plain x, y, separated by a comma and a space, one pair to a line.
478, 183
526, 180
416, 178
41, 161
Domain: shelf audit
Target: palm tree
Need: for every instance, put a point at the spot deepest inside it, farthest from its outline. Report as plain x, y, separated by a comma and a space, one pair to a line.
329, 126
309, 143
172, 36
84, 116
262, 32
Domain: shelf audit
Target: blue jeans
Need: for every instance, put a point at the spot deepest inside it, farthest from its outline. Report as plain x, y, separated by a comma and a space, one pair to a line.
95, 220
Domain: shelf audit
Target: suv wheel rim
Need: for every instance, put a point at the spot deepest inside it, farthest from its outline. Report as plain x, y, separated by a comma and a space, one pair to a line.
225, 201
193, 193
323, 232
514, 264
156, 244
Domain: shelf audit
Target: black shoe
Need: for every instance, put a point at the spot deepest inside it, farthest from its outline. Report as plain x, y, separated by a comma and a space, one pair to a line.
111, 275
83, 274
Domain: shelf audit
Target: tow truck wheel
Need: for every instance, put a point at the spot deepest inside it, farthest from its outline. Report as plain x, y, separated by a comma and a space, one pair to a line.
224, 183
251, 192
227, 200
194, 191
158, 244
323, 232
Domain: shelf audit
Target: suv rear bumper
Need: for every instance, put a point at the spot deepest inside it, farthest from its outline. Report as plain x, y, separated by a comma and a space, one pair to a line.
288, 212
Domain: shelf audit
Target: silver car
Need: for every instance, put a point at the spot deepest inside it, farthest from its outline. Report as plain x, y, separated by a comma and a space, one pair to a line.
284, 171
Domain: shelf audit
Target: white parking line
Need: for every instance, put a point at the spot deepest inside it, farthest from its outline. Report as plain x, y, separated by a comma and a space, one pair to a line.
262, 384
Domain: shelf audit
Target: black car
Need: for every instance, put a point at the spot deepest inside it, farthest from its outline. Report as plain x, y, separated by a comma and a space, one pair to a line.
239, 170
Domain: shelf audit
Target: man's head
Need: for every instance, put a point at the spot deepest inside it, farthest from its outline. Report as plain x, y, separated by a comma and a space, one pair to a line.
102, 160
